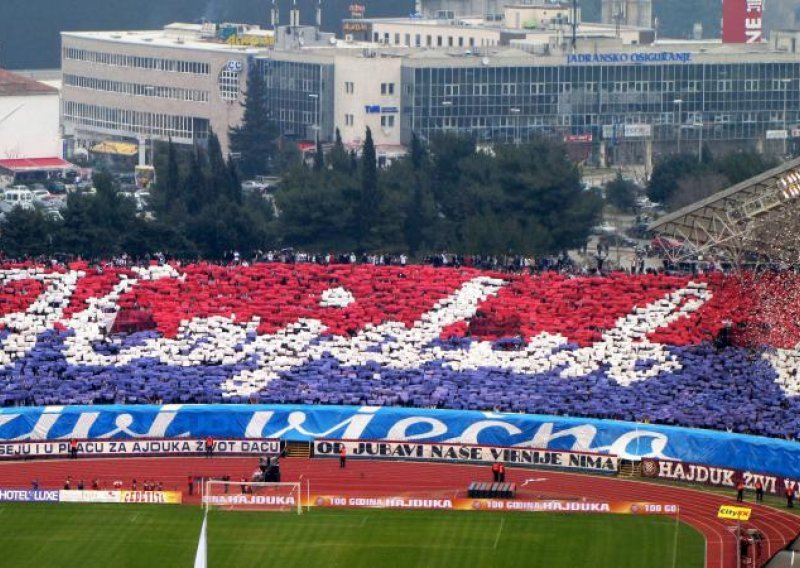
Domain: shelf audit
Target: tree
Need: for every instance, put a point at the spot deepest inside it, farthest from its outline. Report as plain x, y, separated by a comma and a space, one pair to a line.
353, 162
166, 193
318, 209
677, 179
26, 232
319, 157
338, 159
95, 225
218, 177
419, 214
194, 184
254, 139
739, 166
370, 197
621, 193
222, 179
234, 183
667, 173
447, 152
696, 187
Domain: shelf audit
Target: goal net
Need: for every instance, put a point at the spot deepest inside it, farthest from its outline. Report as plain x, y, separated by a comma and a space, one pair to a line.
252, 496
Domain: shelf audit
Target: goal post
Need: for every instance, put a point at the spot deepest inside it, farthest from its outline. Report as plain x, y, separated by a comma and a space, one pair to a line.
252, 496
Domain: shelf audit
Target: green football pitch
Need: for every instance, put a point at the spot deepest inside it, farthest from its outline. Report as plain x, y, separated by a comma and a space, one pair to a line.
152, 536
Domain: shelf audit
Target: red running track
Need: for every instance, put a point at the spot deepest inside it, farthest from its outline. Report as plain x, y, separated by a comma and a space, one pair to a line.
372, 478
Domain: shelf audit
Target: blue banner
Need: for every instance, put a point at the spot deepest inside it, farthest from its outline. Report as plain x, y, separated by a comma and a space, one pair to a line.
308, 422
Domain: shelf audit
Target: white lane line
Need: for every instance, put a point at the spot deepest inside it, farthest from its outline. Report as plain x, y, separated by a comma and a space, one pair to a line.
499, 532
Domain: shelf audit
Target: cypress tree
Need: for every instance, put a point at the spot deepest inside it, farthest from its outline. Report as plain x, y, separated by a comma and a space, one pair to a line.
319, 158
254, 139
338, 158
370, 198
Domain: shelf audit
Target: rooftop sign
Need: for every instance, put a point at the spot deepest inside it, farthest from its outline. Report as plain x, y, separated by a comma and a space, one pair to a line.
742, 21
635, 58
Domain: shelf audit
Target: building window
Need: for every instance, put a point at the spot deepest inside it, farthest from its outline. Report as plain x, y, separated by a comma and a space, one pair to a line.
387, 121
119, 60
348, 120
509, 89
349, 87
397, 39
129, 122
751, 85
387, 88
228, 83
481, 89
135, 89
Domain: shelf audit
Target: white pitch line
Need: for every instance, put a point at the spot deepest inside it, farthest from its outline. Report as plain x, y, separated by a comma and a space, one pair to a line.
499, 532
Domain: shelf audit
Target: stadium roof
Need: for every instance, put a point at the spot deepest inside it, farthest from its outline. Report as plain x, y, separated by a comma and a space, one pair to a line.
721, 218
33, 164
14, 85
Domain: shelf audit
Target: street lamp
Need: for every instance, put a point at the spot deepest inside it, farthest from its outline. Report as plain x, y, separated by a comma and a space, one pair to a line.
515, 111
678, 103
699, 124
316, 126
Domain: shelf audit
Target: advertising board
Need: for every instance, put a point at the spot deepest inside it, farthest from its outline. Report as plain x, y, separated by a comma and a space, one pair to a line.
137, 448
468, 453
742, 21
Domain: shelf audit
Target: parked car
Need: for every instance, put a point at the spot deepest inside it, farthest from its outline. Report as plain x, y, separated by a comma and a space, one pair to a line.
617, 240
16, 196
663, 245
604, 229
40, 194
57, 187
54, 202
142, 200
252, 185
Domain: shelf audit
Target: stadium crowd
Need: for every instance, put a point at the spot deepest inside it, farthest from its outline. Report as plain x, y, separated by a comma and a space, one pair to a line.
702, 351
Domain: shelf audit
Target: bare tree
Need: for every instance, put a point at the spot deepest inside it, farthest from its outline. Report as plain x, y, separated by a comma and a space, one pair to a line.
695, 188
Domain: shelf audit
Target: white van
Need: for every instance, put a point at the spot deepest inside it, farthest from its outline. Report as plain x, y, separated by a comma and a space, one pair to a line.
16, 196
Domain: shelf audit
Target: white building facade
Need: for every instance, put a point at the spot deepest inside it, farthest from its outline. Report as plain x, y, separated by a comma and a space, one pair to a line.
28, 118
144, 86
623, 98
